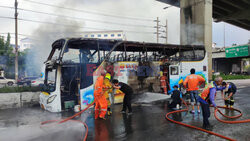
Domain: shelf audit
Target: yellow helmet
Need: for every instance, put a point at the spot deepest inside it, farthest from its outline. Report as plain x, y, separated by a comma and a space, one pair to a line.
161, 73
108, 76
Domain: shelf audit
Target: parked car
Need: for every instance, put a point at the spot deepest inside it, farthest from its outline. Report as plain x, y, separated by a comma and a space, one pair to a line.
37, 82
9, 82
26, 81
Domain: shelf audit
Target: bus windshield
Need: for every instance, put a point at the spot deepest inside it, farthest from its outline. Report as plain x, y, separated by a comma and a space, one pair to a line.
50, 80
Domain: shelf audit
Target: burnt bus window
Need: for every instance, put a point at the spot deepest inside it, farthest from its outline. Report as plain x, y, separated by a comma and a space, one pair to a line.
93, 57
192, 55
56, 53
50, 80
71, 55
199, 54
174, 70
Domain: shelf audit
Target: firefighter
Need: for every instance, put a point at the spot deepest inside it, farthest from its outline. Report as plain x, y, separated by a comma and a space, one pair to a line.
100, 100
230, 90
176, 98
108, 91
192, 82
205, 98
128, 91
163, 83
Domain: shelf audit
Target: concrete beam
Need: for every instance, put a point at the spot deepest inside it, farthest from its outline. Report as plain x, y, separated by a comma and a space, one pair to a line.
222, 8
235, 22
232, 3
196, 26
246, 2
243, 14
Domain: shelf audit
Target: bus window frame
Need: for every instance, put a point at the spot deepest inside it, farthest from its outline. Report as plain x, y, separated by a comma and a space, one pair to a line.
46, 79
171, 71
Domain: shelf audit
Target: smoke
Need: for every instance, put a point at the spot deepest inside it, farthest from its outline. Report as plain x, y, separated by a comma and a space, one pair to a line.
140, 10
45, 35
192, 34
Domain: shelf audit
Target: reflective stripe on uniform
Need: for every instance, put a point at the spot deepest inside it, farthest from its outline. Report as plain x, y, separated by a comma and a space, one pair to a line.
208, 86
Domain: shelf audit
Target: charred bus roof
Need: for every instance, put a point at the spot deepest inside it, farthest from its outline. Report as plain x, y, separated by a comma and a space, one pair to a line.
107, 44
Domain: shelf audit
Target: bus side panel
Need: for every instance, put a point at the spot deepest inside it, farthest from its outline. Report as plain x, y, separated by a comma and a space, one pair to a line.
87, 96
142, 77
201, 68
122, 74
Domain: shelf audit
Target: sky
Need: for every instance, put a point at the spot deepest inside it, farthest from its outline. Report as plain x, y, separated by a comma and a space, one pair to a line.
123, 12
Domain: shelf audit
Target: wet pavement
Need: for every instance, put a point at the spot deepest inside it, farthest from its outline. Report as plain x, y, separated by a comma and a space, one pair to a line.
146, 123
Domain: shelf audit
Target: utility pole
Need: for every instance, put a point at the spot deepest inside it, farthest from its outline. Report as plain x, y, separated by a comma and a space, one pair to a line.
16, 41
157, 29
166, 31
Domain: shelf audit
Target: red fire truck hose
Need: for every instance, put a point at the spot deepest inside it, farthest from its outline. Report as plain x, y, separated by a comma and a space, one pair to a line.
231, 117
215, 114
70, 118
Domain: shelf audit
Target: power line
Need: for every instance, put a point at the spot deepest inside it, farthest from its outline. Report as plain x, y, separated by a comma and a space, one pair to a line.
90, 12
76, 18
14, 33
86, 19
43, 22
4, 17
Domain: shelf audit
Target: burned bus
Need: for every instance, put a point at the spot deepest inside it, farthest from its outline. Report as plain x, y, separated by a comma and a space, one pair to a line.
74, 64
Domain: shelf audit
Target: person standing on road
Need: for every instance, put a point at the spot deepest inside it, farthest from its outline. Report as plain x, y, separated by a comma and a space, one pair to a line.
128, 91
230, 90
108, 91
192, 82
205, 98
100, 99
163, 83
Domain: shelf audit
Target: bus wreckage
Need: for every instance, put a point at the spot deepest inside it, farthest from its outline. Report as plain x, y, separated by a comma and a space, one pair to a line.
74, 64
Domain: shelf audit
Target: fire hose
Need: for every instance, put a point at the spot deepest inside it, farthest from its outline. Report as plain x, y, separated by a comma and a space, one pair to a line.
70, 119
75, 115
215, 114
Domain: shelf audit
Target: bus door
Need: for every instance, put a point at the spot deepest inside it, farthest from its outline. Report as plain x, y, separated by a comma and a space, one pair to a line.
174, 72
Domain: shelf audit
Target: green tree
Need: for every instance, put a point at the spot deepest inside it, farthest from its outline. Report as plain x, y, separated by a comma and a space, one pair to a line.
7, 47
2, 50
7, 52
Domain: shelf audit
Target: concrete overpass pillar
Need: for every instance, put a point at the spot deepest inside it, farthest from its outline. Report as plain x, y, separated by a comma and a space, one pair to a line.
196, 26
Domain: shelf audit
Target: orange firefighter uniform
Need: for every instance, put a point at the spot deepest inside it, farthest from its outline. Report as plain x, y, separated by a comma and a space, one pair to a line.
193, 81
163, 79
100, 100
108, 90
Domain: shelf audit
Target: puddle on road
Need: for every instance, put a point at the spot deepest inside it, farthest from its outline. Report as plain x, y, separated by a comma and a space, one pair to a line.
149, 97
57, 132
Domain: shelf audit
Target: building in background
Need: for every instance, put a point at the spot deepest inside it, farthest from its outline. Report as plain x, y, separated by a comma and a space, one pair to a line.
25, 43
113, 34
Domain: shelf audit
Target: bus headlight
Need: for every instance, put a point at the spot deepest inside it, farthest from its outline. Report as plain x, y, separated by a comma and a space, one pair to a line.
51, 99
